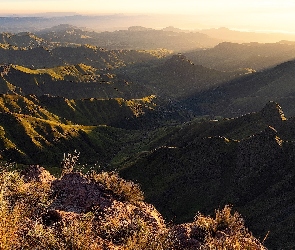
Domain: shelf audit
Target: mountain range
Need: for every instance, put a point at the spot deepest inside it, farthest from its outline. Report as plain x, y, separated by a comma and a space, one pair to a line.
229, 56
248, 93
197, 130
239, 36
135, 37
246, 161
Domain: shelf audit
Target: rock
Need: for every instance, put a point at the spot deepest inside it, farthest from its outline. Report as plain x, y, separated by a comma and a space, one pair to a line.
75, 193
189, 236
37, 173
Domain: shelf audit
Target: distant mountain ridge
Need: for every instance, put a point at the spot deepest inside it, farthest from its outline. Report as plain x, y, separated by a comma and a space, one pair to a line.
237, 36
135, 38
230, 56
18, 24
248, 93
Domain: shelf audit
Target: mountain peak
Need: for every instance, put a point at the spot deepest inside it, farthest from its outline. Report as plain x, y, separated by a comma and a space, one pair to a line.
138, 28
60, 28
273, 113
172, 29
177, 60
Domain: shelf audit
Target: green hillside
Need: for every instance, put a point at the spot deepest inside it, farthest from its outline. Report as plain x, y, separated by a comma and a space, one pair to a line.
40, 130
195, 138
247, 162
33, 140
72, 81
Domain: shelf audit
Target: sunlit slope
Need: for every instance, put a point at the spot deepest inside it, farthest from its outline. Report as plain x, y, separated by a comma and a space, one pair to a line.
253, 56
25, 105
26, 139
116, 112
72, 81
42, 56
40, 130
24, 40
81, 111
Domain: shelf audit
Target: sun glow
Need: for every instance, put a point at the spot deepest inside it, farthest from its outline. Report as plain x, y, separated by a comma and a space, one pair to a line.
251, 14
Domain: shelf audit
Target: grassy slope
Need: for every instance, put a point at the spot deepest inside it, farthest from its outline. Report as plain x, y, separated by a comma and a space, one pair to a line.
182, 169
38, 130
39, 141
196, 168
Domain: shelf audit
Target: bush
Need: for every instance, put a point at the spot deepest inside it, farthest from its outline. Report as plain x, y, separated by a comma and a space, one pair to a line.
227, 231
125, 190
30, 218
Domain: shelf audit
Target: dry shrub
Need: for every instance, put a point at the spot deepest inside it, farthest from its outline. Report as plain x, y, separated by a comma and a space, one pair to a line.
125, 190
23, 203
19, 203
227, 231
71, 234
21, 207
125, 227
125, 223
148, 239
10, 224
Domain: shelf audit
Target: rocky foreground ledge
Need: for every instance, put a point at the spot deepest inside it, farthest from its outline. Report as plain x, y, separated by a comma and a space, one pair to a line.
102, 211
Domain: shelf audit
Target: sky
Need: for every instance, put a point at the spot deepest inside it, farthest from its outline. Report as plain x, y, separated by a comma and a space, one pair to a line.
262, 15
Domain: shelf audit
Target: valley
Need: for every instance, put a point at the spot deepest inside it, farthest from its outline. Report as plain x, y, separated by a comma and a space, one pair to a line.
197, 122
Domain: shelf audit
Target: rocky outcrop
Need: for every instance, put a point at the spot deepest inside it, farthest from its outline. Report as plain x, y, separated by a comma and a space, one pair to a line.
92, 207
74, 193
189, 235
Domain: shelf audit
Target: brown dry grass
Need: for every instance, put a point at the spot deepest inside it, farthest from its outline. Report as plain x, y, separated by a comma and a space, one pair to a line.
128, 224
227, 231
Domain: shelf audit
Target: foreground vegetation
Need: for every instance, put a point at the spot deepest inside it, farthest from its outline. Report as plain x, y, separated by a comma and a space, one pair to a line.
101, 211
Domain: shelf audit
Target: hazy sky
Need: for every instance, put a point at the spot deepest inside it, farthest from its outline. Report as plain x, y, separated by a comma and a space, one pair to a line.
240, 14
